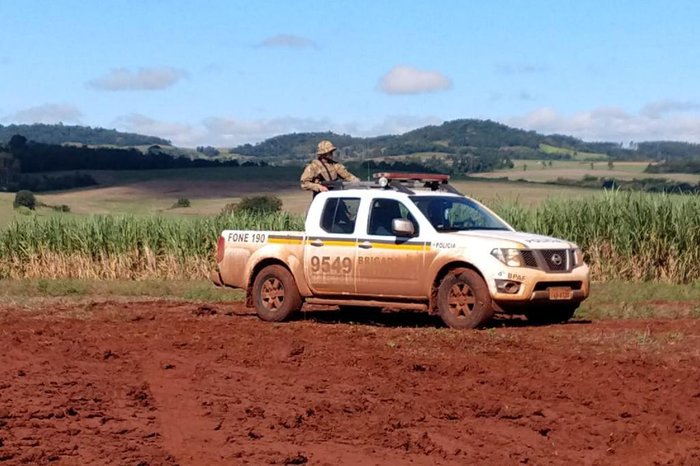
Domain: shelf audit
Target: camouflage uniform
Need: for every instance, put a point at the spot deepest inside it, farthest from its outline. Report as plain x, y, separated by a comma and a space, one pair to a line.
324, 169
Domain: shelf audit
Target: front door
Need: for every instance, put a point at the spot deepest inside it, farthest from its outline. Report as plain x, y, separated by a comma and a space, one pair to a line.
388, 265
329, 253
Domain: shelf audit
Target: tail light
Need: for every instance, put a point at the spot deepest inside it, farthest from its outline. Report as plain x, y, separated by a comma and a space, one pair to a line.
220, 247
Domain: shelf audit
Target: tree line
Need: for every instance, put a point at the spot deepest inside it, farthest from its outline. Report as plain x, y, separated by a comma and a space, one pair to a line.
24, 164
62, 134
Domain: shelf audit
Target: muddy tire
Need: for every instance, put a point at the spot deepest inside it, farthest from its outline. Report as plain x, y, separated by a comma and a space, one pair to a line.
551, 314
464, 300
275, 294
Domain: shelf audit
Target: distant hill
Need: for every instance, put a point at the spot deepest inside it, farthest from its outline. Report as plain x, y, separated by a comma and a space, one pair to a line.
62, 134
466, 137
458, 146
452, 137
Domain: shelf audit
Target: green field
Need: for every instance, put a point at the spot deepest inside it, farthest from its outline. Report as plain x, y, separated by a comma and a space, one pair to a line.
540, 171
149, 192
499, 192
576, 155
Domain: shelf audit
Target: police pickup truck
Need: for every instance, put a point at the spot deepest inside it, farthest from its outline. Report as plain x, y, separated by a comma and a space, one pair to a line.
404, 241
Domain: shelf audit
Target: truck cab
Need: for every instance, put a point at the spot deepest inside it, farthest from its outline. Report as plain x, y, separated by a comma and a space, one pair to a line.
405, 241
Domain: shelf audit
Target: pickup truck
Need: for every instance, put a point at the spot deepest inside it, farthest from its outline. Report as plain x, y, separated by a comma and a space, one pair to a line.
404, 242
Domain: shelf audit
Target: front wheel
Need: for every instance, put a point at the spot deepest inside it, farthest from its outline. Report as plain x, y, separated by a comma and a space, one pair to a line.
275, 294
464, 300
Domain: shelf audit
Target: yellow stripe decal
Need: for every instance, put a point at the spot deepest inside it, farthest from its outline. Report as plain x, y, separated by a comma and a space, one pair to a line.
338, 243
411, 247
352, 243
284, 240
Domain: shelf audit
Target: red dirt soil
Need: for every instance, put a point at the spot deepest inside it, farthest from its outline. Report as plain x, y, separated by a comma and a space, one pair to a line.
165, 383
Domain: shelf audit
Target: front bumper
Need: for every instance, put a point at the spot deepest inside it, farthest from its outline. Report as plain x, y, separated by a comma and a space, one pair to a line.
534, 285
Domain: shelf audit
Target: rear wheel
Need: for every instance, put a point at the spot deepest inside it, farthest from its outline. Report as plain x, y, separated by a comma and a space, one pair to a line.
275, 294
550, 314
464, 300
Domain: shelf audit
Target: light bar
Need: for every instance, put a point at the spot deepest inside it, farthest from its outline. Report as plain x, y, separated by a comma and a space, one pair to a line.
420, 177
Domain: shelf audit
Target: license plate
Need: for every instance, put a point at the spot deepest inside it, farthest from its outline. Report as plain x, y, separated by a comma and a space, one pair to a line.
560, 292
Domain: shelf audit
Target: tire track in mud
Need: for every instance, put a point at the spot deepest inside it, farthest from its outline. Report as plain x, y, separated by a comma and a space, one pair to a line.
55, 406
189, 432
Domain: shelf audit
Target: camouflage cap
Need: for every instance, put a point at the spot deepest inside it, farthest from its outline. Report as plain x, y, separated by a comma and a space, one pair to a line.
325, 147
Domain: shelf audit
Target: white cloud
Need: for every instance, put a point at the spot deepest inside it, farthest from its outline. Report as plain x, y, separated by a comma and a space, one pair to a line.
396, 124
287, 40
403, 79
218, 131
47, 113
661, 107
143, 79
183, 134
614, 124
230, 132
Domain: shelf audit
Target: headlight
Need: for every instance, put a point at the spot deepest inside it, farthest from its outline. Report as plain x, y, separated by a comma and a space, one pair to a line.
508, 256
578, 257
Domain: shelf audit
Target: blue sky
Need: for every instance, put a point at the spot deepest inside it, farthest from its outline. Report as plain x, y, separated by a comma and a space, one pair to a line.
224, 73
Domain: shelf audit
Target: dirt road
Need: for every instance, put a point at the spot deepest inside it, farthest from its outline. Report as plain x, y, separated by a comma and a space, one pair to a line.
151, 383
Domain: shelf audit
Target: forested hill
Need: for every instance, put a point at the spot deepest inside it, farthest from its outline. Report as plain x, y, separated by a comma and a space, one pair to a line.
481, 138
61, 134
452, 137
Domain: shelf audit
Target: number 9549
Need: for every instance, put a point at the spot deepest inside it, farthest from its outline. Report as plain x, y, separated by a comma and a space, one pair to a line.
327, 264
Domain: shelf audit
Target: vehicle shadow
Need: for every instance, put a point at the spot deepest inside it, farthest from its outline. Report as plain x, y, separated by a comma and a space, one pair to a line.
514, 321
369, 316
403, 318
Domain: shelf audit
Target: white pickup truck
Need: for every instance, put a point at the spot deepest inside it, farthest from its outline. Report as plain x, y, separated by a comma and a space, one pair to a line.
407, 241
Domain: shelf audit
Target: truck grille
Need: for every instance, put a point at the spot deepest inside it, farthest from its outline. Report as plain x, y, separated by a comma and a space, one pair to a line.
549, 260
557, 260
529, 258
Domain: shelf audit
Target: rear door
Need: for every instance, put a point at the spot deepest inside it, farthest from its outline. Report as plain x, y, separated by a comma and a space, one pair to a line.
329, 251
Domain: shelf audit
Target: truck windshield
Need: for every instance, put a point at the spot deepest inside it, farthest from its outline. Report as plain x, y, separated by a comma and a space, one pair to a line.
449, 213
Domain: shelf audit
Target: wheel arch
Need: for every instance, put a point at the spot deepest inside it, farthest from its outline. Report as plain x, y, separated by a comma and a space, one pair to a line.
254, 273
441, 274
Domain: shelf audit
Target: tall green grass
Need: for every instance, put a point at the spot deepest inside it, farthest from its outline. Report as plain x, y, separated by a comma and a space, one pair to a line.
122, 246
628, 236
625, 236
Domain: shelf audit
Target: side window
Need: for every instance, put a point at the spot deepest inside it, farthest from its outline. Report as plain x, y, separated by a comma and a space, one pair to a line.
340, 214
382, 212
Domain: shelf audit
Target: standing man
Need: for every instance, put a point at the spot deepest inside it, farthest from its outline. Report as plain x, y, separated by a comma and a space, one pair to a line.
324, 168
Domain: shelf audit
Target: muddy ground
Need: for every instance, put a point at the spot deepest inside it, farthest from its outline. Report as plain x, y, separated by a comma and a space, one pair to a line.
163, 383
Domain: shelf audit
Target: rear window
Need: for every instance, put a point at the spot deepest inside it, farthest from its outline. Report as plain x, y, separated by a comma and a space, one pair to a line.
340, 214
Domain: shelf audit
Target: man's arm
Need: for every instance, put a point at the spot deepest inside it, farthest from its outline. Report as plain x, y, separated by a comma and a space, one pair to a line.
307, 179
344, 173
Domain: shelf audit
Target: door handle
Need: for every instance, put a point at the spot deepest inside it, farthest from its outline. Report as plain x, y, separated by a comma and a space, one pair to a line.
317, 243
365, 245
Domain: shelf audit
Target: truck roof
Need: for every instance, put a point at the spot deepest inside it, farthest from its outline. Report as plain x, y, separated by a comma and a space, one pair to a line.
406, 183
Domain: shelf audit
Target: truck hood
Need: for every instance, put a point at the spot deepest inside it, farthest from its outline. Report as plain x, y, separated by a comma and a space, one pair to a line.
529, 240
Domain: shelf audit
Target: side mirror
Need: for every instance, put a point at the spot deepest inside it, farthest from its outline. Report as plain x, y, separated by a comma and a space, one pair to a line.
402, 227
